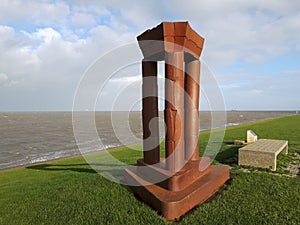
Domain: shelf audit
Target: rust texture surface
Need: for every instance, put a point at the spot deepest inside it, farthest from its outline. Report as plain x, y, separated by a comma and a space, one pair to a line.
175, 184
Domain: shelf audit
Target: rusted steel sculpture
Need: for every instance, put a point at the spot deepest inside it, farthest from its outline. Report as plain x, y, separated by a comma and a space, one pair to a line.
175, 184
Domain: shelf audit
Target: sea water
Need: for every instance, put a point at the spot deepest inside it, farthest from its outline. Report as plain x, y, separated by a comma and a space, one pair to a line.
30, 137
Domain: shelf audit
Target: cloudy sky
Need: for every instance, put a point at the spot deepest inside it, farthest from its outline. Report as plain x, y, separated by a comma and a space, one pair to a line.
252, 47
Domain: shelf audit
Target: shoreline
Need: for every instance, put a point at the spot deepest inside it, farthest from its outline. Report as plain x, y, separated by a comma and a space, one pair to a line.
58, 159
116, 147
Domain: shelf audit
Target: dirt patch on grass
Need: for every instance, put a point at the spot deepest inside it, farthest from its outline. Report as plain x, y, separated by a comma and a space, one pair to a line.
294, 165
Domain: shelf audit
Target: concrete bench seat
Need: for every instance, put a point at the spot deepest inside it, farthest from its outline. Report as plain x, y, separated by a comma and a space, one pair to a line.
262, 153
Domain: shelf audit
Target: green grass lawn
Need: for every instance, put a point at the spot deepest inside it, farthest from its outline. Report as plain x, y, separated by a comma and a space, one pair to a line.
69, 191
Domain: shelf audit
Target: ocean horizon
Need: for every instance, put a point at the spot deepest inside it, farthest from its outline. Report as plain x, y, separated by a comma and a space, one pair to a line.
37, 136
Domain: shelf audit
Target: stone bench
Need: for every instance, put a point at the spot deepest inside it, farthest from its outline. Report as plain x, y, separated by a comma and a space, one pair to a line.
262, 153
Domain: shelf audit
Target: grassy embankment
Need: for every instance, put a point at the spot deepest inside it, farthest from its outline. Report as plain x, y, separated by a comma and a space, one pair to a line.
70, 192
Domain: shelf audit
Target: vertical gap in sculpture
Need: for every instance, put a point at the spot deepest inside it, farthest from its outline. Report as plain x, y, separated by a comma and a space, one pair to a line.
151, 146
192, 79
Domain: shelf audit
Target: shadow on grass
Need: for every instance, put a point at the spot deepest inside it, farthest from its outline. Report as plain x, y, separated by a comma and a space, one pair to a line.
229, 156
82, 168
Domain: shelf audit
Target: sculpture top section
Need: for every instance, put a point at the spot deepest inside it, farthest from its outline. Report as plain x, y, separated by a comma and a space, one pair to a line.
170, 37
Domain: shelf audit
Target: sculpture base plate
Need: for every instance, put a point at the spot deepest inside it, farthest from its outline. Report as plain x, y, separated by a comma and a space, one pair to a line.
174, 181
173, 204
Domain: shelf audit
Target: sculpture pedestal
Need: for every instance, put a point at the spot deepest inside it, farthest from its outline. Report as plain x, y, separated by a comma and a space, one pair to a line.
179, 193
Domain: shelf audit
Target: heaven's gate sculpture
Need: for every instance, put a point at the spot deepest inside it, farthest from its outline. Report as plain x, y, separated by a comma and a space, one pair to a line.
175, 184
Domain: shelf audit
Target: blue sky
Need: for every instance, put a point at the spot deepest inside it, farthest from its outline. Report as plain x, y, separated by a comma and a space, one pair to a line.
252, 47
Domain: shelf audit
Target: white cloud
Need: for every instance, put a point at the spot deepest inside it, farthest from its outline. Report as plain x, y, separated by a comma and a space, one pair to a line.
3, 77
230, 86
38, 12
295, 72
46, 46
91, 6
16, 57
46, 34
263, 91
252, 31
128, 79
47, 64
52, 11
9, 39
83, 19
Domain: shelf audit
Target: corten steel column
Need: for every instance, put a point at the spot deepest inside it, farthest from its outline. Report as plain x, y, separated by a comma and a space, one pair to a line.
150, 113
174, 110
192, 79
180, 47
